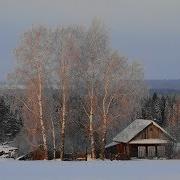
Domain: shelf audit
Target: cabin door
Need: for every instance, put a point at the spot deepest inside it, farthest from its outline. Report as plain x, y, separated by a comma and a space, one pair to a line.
141, 151
161, 151
151, 151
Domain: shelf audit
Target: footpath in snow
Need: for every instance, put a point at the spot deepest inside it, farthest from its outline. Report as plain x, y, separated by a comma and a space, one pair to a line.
92, 170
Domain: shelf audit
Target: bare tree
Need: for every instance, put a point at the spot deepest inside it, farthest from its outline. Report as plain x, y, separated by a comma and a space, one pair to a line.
66, 51
31, 57
114, 74
95, 50
122, 90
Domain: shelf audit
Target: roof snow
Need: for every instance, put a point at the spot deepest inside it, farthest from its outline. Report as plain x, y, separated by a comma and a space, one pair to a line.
149, 141
132, 130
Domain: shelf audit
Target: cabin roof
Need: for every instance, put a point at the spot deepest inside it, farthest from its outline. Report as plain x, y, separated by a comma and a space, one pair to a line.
135, 128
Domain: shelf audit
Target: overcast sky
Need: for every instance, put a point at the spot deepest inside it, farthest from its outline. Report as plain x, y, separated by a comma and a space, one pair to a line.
145, 30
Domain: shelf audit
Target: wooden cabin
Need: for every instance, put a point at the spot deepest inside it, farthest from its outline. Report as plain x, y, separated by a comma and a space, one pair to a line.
141, 139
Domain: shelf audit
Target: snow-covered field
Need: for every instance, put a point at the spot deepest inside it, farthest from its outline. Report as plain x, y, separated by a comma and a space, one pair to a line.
92, 170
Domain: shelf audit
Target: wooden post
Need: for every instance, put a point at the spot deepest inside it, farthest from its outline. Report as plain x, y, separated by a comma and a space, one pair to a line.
86, 154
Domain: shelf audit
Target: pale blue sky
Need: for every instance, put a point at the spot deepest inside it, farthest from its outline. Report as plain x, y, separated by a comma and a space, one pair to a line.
146, 30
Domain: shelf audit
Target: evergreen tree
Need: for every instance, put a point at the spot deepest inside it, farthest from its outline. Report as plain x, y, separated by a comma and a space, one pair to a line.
156, 109
10, 123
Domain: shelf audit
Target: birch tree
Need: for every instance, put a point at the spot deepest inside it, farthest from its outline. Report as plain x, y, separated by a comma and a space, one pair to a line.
31, 57
109, 80
95, 50
114, 75
66, 53
121, 94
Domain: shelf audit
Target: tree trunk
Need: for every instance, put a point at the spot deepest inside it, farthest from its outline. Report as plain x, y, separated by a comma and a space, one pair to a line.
93, 156
91, 132
104, 126
104, 136
54, 139
63, 125
41, 112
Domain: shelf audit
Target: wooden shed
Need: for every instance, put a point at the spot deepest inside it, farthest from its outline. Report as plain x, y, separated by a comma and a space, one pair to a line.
141, 139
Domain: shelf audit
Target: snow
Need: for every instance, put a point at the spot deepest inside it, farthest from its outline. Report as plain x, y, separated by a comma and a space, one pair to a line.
92, 170
7, 148
149, 141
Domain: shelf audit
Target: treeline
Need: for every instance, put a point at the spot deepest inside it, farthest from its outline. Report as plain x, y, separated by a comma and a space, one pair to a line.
165, 110
77, 91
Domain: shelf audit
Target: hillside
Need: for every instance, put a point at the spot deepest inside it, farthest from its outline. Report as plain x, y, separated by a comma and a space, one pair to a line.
164, 86
160, 86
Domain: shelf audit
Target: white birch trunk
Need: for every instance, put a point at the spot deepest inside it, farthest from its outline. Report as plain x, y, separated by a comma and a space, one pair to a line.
41, 111
63, 125
54, 139
104, 135
63, 122
91, 129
